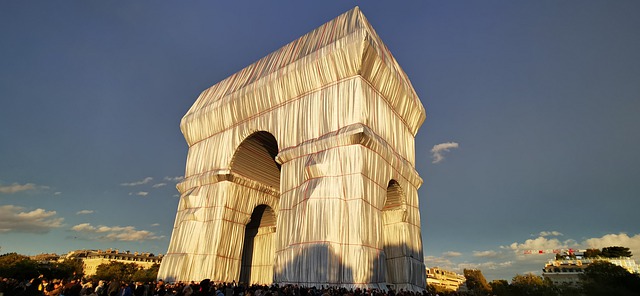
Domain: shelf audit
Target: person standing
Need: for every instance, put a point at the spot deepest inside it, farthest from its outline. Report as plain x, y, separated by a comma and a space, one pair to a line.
114, 288
139, 289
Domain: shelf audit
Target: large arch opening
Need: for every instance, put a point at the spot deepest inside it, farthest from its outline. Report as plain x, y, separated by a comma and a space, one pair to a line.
255, 160
258, 251
393, 214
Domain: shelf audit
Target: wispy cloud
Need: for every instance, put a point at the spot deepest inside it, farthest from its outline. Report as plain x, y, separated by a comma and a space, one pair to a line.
57, 193
451, 254
174, 179
485, 254
434, 261
15, 187
139, 193
84, 212
16, 219
159, 185
155, 224
438, 150
550, 233
114, 233
490, 265
136, 183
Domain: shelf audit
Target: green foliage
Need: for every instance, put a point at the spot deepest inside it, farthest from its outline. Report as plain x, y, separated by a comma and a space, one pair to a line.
604, 278
67, 269
615, 252
18, 267
116, 271
500, 287
126, 272
530, 284
434, 289
476, 283
592, 253
147, 275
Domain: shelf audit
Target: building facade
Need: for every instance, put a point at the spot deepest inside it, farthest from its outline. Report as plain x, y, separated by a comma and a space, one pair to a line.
568, 271
91, 259
445, 279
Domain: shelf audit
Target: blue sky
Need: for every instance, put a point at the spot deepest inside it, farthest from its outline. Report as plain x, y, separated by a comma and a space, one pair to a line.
532, 106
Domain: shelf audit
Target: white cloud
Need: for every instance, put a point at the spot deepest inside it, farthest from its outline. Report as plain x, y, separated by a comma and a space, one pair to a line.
521, 257
15, 219
611, 240
432, 261
445, 263
537, 244
84, 212
485, 254
57, 193
438, 150
159, 185
451, 254
174, 179
550, 233
83, 227
155, 224
15, 187
115, 233
141, 182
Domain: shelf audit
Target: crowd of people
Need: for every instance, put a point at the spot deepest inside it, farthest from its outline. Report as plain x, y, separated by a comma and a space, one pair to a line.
78, 287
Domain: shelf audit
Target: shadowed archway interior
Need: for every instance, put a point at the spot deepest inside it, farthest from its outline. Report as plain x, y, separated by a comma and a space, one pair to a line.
255, 159
258, 250
393, 214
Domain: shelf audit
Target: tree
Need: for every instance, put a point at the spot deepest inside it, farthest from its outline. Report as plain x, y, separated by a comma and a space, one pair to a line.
67, 269
592, 253
530, 284
500, 287
615, 252
18, 267
116, 271
476, 283
604, 278
147, 275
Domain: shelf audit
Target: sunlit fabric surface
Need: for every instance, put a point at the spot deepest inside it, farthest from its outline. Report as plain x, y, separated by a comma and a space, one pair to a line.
301, 169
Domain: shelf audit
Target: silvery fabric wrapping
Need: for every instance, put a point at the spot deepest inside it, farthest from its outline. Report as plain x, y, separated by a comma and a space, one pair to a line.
339, 205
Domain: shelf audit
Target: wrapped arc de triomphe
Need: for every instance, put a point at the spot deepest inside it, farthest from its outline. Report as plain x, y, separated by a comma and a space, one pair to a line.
301, 169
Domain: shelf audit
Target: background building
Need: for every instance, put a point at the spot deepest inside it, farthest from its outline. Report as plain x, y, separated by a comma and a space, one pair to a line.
568, 271
91, 259
445, 279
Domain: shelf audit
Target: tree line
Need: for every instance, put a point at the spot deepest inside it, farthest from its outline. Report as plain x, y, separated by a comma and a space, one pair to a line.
22, 268
599, 278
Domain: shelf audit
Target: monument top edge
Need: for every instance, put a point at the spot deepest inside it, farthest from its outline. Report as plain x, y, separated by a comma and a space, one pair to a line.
350, 23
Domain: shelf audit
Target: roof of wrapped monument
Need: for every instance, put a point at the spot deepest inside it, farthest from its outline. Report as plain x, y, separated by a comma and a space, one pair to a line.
341, 48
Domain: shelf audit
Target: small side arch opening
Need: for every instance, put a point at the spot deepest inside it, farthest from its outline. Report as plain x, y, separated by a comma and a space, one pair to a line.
258, 252
393, 215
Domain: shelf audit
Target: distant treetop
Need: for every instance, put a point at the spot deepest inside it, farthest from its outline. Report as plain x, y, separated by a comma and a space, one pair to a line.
608, 252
